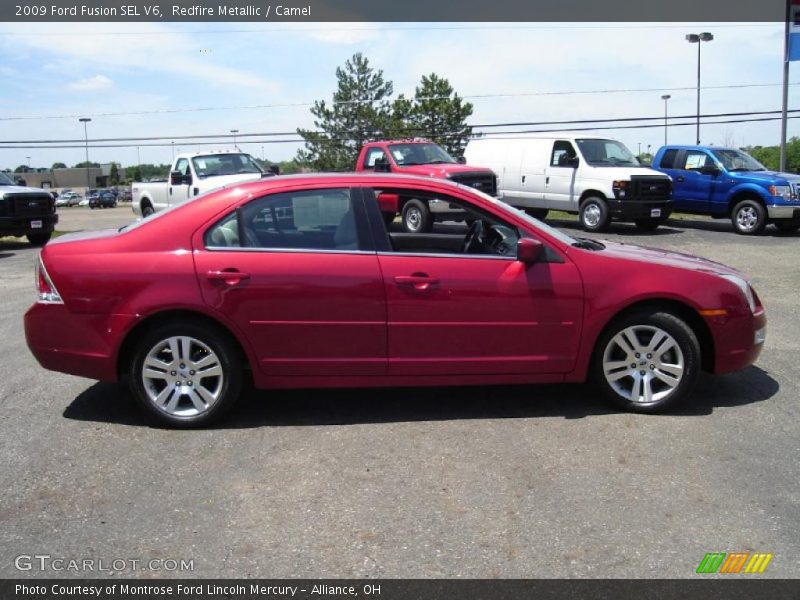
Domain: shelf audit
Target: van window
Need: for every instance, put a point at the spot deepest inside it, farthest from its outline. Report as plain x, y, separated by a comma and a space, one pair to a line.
562, 151
668, 160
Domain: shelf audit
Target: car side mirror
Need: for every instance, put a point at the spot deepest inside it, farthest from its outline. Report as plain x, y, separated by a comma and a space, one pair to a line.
573, 161
176, 178
462, 160
529, 250
712, 170
382, 166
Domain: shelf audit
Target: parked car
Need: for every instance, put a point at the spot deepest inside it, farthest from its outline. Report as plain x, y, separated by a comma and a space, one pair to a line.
26, 211
69, 199
192, 174
103, 200
296, 282
727, 183
84, 202
597, 178
423, 157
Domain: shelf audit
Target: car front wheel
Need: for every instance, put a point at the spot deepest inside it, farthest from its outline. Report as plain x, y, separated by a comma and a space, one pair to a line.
647, 362
185, 375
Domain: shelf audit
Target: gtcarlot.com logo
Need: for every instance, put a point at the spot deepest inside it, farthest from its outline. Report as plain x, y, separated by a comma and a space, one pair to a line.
734, 562
46, 562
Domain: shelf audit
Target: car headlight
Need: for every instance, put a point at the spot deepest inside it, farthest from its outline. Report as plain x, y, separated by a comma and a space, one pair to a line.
745, 288
781, 191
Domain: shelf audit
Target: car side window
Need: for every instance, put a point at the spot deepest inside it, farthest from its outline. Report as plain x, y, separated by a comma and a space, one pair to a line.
307, 220
668, 159
457, 228
695, 160
183, 166
562, 152
373, 155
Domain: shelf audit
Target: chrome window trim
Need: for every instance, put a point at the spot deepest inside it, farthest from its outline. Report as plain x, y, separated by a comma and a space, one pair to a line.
444, 255
285, 250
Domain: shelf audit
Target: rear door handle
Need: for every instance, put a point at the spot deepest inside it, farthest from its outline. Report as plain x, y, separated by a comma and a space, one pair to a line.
523, 179
228, 276
418, 281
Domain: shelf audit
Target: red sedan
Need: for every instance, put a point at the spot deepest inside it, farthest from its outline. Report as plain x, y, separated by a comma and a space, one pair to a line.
297, 282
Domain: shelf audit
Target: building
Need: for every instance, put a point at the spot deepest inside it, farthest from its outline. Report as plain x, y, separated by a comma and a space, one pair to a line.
72, 178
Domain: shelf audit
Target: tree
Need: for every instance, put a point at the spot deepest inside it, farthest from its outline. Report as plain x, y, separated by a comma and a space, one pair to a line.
84, 164
360, 112
113, 174
135, 173
440, 114
22, 169
58, 165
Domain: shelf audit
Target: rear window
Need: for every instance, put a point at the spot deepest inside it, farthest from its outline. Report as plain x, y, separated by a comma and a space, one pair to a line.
668, 160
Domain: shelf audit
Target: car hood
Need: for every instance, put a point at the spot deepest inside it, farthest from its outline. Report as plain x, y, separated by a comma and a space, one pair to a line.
219, 181
645, 254
625, 172
765, 176
441, 170
19, 189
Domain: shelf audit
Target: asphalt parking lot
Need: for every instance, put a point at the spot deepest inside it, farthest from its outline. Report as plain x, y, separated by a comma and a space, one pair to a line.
528, 481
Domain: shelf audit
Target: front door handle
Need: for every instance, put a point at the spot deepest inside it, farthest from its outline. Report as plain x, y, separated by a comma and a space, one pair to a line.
228, 276
418, 281
523, 179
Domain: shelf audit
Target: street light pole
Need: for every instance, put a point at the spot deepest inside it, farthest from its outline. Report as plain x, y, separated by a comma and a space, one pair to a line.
234, 132
85, 120
698, 38
665, 98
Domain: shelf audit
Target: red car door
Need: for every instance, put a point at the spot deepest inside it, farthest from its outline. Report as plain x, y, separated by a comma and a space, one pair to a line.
455, 313
298, 275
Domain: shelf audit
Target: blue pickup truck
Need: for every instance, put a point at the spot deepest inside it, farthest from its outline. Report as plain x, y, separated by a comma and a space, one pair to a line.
728, 183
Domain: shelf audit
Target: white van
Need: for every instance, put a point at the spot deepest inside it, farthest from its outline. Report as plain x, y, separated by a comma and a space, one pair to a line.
597, 178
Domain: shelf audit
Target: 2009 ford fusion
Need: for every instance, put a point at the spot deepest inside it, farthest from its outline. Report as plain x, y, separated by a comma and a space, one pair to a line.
297, 282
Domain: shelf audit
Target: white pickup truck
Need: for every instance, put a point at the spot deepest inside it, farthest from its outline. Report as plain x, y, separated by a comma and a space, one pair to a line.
192, 174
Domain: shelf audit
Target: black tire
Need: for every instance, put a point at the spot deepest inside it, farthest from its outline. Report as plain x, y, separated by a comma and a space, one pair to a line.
537, 213
229, 360
147, 210
685, 339
114, 204
417, 217
787, 226
749, 217
39, 239
594, 215
649, 224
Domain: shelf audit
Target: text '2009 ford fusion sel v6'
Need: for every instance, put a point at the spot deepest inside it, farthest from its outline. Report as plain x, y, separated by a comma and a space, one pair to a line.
298, 282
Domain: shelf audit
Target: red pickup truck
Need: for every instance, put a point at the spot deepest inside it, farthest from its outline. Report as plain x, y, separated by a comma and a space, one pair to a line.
423, 157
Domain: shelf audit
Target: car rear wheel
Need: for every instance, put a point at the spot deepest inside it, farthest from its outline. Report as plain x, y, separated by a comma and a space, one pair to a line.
39, 239
417, 217
647, 362
186, 375
749, 217
594, 214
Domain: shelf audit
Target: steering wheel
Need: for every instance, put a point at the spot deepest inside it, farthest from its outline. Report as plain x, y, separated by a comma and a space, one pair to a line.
474, 240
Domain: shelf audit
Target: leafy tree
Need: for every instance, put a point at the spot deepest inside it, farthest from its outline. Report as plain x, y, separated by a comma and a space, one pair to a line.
84, 164
134, 173
113, 174
22, 169
360, 112
59, 165
440, 114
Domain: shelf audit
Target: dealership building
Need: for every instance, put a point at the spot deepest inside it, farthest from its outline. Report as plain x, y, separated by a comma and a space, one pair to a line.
72, 178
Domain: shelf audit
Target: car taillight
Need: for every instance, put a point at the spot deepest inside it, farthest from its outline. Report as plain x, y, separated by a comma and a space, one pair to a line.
46, 291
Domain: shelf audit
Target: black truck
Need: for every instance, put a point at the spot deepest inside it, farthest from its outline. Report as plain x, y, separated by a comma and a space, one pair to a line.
26, 211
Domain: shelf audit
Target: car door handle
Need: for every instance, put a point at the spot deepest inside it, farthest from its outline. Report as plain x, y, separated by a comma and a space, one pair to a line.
679, 178
418, 281
523, 179
228, 276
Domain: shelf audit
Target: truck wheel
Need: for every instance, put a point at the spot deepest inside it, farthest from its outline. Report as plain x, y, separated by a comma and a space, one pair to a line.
537, 213
749, 217
647, 361
594, 214
417, 217
787, 226
39, 239
147, 210
649, 224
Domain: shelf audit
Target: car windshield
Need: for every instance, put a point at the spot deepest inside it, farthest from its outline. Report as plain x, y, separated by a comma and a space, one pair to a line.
419, 154
214, 165
5, 179
606, 153
736, 160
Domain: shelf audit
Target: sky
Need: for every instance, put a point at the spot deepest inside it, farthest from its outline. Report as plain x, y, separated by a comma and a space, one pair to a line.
264, 77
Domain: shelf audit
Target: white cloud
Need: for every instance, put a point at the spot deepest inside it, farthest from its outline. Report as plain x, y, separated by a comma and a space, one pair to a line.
90, 84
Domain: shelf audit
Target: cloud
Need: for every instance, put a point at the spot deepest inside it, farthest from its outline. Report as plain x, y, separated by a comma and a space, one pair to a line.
98, 82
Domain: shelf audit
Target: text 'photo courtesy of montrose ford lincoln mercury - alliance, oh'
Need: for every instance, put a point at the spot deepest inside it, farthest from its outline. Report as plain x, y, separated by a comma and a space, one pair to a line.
297, 282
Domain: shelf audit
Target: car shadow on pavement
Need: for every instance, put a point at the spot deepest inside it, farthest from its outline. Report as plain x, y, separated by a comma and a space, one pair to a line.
112, 403
724, 226
615, 228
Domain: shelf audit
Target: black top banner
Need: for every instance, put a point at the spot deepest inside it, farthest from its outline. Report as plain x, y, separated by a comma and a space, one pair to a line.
382, 11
